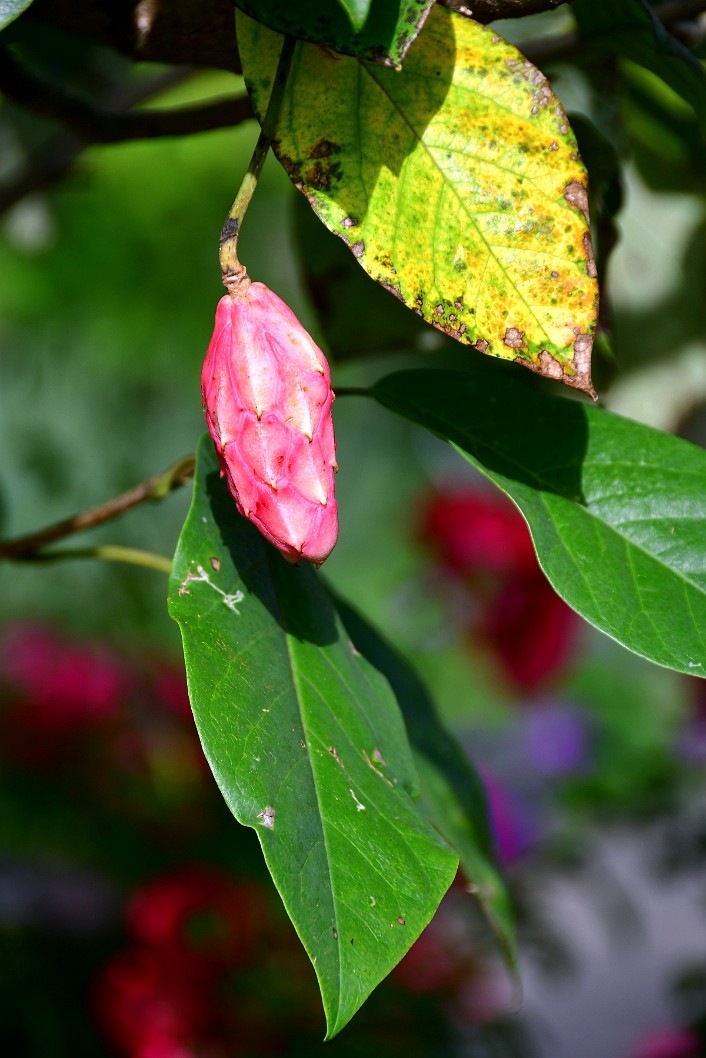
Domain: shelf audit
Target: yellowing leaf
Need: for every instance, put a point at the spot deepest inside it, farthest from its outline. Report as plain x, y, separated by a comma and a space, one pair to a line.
455, 182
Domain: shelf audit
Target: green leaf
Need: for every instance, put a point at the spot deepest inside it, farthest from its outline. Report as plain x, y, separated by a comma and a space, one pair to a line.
378, 32
451, 791
631, 30
455, 183
306, 742
10, 9
617, 510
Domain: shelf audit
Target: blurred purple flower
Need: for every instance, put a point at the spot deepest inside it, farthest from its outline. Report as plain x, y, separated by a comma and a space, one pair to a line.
557, 740
514, 820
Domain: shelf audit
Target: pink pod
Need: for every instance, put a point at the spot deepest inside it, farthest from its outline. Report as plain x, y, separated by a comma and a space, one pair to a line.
267, 396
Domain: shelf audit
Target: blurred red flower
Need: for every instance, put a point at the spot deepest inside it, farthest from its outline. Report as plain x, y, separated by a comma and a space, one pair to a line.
166, 996
482, 544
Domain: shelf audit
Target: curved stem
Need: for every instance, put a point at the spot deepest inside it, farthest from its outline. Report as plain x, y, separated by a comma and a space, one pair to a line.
353, 391
108, 552
228, 253
152, 489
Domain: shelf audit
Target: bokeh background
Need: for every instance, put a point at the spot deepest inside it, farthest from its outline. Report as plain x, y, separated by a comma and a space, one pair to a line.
136, 918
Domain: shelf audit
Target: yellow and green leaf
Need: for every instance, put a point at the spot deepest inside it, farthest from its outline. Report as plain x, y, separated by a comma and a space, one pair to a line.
455, 182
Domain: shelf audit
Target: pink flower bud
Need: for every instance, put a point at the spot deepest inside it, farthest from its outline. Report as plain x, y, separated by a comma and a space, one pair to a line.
267, 395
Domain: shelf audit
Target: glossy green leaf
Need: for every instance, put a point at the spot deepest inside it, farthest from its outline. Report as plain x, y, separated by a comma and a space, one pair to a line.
306, 742
455, 183
451, 791
630, 29
617, 510
379, 32
11, 9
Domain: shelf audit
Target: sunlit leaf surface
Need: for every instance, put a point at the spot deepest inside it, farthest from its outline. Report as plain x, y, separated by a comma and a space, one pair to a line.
456, 184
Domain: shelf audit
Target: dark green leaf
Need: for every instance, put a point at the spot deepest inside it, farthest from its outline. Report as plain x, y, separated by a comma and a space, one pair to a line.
10, 9
631, 30
617, 510
451, 791
376, 30
306, 742
338, 287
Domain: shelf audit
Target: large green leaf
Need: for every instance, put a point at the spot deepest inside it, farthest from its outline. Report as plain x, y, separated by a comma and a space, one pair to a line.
451, 791
305, 740
10, 9
630, 29
617, 510
455, 183
379, 32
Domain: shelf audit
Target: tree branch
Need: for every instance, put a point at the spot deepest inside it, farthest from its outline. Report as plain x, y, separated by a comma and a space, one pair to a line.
94, 124
200, 32
153, 490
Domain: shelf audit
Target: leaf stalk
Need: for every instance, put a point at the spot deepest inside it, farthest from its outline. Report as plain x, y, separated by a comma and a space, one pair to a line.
231, 268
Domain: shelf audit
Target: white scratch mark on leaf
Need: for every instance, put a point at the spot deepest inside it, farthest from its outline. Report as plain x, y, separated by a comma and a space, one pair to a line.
358, 806
202, 577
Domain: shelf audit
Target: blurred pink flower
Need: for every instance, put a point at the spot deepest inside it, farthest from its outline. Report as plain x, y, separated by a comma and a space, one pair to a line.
63, 684
669, 1043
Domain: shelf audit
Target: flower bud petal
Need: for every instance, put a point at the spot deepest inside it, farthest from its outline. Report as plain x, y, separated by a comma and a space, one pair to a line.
267, 396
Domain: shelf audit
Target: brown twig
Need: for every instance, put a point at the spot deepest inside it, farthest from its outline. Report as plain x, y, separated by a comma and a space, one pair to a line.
153, 489
56, 158
96, 124
566, 45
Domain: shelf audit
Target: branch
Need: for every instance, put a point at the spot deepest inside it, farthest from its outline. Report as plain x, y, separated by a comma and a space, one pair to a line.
199, 32
153, 489
108, 553
57, 157
94, 124
672, 15
490, 10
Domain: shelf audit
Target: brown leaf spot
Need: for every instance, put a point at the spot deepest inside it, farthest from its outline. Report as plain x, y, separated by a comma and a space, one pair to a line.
377, 756
583, 347
549, 366
267, 815
350, 222
482, 345
400, 920
358, 249
590, 260
576, 195
376, 770
334, 754
215, 564
542, 96
514, 339
335, 933
324, 149
391, 289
